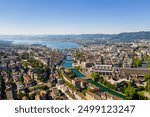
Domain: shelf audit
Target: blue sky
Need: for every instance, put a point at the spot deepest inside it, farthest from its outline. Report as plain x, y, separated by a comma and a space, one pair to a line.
73, 16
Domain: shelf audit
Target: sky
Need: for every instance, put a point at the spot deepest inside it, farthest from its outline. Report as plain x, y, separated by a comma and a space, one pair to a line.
31, 17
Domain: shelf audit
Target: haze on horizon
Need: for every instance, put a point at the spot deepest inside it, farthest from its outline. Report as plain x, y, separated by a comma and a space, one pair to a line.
36, 17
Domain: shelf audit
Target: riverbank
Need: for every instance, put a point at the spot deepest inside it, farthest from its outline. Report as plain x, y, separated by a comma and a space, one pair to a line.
80, 75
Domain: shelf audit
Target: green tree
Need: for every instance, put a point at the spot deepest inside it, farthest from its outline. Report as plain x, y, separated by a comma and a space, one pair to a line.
78, 55
148, 61
77, 67
147, 88
130, 92
25, 64
136, 62
41, 78
141, 96
20, 56
73, 75
147, 77
21, 79
95, 76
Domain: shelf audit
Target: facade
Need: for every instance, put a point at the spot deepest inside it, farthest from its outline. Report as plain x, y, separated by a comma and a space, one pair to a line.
76, 82
102, 69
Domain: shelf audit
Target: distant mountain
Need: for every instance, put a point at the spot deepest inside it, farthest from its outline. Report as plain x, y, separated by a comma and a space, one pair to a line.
80, 36
131, 36
123, 37
127, 36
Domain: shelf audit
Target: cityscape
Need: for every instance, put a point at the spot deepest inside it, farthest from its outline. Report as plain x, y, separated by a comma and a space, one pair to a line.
74, 50
92, 71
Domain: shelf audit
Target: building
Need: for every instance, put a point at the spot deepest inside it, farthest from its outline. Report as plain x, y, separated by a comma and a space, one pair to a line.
137, 72
102, 69
20, 86
28, 81
76, 83
0, 89
25, 98
92, 96
37, 97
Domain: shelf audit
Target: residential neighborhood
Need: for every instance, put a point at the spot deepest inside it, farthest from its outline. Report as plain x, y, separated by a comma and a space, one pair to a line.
113, 71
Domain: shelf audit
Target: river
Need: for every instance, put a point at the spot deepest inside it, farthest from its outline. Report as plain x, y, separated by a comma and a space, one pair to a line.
68, 64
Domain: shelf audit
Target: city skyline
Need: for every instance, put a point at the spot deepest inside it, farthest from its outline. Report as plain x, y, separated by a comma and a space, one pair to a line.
31, 17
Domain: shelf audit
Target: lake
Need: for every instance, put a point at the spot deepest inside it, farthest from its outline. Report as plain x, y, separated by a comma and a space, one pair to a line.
50, 43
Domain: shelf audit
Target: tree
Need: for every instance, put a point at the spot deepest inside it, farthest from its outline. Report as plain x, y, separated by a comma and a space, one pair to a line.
148, 60
95, 76
41, 78
136, 62
141, 96
3, 87
147, 77
72, 75
21, 79
77, 67
25, 64
122, 87
20, 56
78, 55
130, 92
148, 86
108, 84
